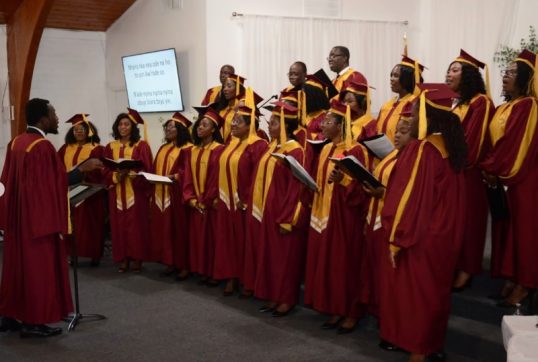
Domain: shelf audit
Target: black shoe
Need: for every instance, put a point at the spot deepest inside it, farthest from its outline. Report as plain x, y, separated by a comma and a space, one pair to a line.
39, 331
181, 278
436, 357
388, 346
245, 295
212, 283
265, 309
95, 262
496, 297
9, 324
167, 272
467, 284
328, 325
345, 330
278, 314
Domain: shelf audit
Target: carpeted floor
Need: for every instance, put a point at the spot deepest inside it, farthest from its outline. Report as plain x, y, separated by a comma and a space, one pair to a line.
150, 318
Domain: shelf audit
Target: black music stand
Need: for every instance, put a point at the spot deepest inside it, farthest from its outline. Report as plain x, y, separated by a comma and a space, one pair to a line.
77, 194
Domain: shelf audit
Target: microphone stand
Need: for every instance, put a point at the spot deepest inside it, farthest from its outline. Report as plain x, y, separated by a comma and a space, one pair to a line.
74, 318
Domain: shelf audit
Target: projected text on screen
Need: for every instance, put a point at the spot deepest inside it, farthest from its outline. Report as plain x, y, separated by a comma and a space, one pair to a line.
152, 81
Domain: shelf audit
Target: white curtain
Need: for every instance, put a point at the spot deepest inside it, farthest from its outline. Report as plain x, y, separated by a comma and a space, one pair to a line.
272, 44
477, 26
5, 119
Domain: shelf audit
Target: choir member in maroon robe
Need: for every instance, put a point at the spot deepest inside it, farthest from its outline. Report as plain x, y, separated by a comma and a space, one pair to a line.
236, 172
374, 235
129, 194
357, 97
404, 78
339, 63
214, 94
233, 96
423, 220
335, 239
511, 163
201, 190
169, 224
309, 95
475, 110
82, 143
33, 214
281, 241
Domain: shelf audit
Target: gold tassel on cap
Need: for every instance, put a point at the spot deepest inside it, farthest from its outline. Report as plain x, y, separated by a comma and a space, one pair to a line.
422, 117
488, 90
282, 127
368, 105
348, 137
237, 86
534, 91
249, 102
90, 130
417, 78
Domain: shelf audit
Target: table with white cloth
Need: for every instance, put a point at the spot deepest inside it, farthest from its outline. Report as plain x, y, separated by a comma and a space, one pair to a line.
520, 337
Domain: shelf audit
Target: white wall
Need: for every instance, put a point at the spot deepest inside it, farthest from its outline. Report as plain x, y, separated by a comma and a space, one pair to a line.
70, 73
152, 25
5, 123
224, 44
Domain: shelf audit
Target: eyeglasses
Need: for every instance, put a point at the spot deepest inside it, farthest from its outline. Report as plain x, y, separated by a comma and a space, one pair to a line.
510, 72
332, 56
327, 123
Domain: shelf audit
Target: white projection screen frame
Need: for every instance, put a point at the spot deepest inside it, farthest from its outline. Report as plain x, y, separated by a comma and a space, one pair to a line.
152, 81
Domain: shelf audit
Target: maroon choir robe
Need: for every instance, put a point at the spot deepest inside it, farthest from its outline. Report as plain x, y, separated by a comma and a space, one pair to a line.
236, 171
33, 213
89, 216
475, 117
279, 257
129, 203
168, 217
375, 238
423, 217
335, 246
200, 192
514, 159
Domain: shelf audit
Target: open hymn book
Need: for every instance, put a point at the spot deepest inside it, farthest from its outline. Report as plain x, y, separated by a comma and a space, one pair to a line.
352, 167
153, 178
380, 145
121, 163
297, 170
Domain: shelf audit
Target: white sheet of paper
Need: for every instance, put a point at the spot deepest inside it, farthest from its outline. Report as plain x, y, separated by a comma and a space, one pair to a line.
151, 177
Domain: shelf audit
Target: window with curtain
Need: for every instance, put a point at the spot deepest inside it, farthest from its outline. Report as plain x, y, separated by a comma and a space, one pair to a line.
272, 44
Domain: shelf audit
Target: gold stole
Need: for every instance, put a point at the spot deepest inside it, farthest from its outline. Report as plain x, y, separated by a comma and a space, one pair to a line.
72, 158
382, 173
127, 185
358, 125
199, 169
438, 143
214, 93
497, 128
229, 165
165, 159
321, 205
228, 114
461, 112
390, 114
339, 81
264, 175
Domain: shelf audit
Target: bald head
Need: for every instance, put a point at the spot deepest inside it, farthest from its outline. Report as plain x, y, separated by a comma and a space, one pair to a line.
225, 71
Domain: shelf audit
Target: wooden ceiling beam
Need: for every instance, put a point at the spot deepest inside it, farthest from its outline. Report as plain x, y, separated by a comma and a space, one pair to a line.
24, 30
